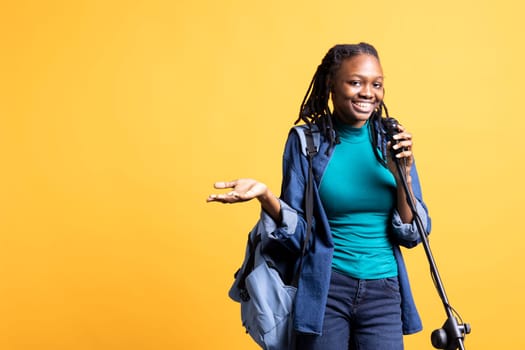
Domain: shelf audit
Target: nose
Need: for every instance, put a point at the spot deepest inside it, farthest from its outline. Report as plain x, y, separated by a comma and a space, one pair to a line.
366, 91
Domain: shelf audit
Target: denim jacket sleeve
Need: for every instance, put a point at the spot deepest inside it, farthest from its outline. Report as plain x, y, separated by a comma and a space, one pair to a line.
291, 230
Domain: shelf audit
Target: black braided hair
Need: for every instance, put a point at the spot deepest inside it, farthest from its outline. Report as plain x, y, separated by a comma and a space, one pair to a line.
315, 109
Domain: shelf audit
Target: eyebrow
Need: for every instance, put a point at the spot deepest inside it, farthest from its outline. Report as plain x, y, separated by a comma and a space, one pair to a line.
366, 77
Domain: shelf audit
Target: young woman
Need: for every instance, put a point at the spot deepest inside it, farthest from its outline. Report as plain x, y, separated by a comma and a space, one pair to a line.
353, 291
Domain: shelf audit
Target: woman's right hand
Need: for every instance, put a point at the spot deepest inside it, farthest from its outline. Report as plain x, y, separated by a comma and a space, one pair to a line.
247, 189
242, 190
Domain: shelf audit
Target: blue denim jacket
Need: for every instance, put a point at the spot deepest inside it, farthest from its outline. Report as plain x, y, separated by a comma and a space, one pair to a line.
288, 236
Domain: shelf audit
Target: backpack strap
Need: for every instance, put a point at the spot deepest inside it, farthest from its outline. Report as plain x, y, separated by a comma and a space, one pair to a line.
308, 145
305, 131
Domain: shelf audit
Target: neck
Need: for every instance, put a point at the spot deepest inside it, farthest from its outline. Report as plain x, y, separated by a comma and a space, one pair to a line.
351, 121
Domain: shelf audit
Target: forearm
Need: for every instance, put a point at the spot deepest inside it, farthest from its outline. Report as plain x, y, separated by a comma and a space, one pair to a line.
405, 212
271, 204
406, 231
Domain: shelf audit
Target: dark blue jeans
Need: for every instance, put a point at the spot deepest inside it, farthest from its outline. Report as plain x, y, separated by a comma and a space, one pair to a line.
360, 315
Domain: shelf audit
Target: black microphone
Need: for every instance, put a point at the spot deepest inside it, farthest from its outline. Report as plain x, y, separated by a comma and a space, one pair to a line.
390, 125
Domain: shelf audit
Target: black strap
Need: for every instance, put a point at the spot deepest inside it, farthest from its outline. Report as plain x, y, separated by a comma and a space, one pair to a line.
311, 151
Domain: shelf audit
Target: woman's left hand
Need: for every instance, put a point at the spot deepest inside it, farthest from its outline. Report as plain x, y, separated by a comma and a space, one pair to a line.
402, 151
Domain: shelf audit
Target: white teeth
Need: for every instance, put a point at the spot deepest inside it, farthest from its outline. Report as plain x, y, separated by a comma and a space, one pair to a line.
363, 105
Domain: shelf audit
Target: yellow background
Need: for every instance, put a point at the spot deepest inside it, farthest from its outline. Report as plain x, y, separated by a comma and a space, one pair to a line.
117, 116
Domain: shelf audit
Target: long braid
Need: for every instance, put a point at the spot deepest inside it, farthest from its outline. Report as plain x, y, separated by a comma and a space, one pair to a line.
315, 109
375, 128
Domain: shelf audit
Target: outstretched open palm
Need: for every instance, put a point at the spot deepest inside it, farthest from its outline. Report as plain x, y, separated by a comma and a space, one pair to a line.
242, 190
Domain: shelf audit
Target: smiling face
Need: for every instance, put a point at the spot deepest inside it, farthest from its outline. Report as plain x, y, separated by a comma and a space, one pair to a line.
357, 89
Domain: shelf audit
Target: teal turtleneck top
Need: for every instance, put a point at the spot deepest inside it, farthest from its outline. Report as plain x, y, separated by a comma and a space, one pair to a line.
359, 195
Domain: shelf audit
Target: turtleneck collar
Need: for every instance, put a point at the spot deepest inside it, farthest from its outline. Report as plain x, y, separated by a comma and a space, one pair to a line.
351, 134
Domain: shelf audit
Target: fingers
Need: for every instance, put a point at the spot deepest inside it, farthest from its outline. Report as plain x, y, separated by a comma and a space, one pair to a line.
242, 190
403, 143
225, 184
231, 197
406, 154
403, 148
223, 198
402, 137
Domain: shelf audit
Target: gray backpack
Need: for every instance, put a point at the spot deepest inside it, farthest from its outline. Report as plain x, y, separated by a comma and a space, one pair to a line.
266, 301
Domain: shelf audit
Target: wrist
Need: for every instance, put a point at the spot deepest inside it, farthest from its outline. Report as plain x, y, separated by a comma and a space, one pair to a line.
271, 204
264, 196
399, 181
